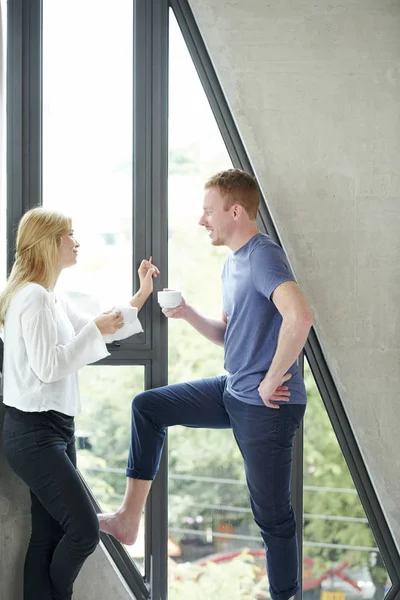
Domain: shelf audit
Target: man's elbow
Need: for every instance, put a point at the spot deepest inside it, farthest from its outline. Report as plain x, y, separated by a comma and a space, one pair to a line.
301, 319
307, 318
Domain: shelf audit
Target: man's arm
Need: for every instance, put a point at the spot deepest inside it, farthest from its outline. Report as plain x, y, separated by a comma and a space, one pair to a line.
212, 329
296, 324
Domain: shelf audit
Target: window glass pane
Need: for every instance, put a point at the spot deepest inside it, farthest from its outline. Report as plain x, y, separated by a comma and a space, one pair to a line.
340, 552
87, 137
211, 530
103, 435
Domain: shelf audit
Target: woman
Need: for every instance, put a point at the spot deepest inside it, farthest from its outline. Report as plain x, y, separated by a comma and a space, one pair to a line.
46, 342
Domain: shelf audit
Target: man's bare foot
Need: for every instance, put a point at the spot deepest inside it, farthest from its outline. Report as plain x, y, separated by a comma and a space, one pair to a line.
120, 526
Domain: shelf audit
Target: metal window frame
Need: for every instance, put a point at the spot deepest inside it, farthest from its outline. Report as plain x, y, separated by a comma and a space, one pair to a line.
150, 185
296, 487
313, 350
24, 113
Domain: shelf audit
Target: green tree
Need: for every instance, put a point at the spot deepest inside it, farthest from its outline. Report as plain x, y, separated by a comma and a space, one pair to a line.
239, 579
324, 466
104, 423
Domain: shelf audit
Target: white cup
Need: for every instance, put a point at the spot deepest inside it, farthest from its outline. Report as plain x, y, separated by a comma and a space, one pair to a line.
169, 298
129, 313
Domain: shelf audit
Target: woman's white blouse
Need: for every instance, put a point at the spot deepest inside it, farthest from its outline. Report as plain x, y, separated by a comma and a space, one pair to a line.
46, 342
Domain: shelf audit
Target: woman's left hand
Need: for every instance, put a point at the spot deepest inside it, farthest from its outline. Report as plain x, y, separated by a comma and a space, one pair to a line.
146, 273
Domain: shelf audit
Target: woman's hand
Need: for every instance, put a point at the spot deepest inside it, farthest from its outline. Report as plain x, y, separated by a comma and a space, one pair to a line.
147, 271
109, 322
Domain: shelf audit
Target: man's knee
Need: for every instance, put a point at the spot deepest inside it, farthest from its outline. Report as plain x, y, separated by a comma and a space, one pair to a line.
276, 523
143, 402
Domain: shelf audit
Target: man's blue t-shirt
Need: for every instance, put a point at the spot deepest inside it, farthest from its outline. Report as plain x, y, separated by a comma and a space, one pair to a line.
249, 277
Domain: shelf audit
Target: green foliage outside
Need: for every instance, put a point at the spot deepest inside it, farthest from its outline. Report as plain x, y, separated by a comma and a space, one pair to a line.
239, 579
107, 393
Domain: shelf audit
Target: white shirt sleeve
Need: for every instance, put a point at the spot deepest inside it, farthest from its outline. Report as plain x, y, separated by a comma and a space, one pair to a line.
126, 331
78, 319
49, 360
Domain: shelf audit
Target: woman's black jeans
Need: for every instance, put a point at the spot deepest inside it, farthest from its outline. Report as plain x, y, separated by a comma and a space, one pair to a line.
65, 529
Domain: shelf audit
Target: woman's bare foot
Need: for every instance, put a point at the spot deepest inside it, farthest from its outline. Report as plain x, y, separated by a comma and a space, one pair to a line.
120, 526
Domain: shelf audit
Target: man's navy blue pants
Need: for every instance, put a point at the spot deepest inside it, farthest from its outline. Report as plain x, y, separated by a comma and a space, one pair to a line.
265, 438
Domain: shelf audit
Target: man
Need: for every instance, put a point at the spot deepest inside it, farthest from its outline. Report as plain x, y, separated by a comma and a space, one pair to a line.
264, 326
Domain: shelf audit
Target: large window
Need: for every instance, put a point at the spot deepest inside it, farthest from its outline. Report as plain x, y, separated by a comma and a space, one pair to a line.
340, 552
87, 140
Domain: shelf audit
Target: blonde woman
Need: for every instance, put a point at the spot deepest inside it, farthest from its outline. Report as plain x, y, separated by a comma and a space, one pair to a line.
46, 342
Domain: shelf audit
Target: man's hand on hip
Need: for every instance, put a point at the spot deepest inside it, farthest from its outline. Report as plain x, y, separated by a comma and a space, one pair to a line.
274, 390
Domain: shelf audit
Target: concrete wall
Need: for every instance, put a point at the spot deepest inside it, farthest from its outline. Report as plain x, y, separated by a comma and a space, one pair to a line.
14, 528
314, 88
98, 579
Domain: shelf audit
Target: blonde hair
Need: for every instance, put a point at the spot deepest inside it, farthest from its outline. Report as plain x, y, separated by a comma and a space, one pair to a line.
237, 187
36, 258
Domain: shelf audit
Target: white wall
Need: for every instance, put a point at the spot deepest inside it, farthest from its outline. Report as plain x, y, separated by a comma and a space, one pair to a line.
314, 89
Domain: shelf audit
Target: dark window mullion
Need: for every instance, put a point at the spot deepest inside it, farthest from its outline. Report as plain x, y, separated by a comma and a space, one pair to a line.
130, 356
393, 593
297, 487
24, 113
150, 185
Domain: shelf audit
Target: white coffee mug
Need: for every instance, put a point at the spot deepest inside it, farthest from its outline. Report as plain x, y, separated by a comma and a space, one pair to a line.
169, 298
129, 313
